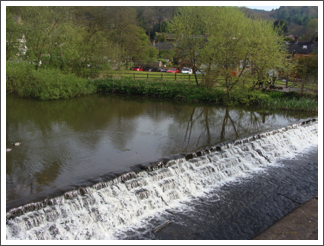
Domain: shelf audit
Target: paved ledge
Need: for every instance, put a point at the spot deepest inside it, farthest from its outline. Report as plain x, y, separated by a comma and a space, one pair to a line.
300, 224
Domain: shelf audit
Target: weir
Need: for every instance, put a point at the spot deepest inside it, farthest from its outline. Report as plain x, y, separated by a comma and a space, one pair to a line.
100, 210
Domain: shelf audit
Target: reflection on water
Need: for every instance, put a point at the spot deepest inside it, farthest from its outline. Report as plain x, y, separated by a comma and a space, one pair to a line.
66, 143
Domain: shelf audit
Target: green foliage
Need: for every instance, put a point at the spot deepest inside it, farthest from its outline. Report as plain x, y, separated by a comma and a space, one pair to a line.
300, 104
307, 70
168, 54
296, 17
307, 66
165, 26
74, 38
248, 97
14, 41
282, 26
300, 15
165, 89
288, 39
44, 84
190, 92
275, 94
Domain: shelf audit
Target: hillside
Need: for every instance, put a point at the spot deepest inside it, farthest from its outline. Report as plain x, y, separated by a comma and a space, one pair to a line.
301, 20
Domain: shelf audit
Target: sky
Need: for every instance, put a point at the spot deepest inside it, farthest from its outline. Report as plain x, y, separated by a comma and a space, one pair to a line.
267, 8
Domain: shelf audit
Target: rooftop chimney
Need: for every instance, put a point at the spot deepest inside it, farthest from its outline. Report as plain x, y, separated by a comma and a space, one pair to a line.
313, 40
296, 39
153, 42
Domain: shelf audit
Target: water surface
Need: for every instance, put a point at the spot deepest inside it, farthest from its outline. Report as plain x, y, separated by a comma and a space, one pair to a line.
70, 143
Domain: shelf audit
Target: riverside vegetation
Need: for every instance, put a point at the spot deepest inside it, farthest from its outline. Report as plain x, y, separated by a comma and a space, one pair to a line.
47, 84
59, 52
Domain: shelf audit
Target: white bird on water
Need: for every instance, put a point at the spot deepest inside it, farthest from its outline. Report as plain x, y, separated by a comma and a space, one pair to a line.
16, 143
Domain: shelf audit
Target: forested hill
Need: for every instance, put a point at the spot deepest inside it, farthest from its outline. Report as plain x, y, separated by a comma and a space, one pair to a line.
301, 20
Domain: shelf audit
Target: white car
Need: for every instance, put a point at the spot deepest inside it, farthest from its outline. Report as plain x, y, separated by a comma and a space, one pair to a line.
200, 72
186, 70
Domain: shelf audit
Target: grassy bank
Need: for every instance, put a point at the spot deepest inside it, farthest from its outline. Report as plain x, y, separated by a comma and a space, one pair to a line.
47, 84
44, 84
290, 101
190, 92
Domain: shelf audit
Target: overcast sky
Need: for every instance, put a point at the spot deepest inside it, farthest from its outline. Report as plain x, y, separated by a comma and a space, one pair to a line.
267, 8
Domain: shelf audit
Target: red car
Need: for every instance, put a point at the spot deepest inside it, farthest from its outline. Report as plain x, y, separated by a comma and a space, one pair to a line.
139, 68
173, 70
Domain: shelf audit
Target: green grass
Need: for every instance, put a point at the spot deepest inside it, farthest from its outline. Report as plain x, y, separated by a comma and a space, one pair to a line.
142, 75
300, 104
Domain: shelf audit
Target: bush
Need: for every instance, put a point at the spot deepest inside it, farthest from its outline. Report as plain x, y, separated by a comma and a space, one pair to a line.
45, 84
301, 104
165, 89
275, 94
248, 97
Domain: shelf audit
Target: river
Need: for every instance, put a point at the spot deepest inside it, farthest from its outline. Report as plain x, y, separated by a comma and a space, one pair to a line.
86, 141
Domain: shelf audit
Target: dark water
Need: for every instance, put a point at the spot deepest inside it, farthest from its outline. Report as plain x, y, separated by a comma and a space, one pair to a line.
66, 144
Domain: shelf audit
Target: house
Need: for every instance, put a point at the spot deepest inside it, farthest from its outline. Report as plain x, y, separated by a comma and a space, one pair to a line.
300, 48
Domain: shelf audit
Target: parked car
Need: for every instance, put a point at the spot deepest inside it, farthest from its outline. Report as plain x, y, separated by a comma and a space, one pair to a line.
138, 68
149, 69
186, 70
200, 72
173, 70
161, 69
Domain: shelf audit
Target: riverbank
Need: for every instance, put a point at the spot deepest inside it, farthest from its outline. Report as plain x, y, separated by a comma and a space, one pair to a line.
49, 84
299, 224
272, 100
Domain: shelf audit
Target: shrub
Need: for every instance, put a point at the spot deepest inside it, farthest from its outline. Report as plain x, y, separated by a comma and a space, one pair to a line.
44, 84
166, 89
275, 94
302, 104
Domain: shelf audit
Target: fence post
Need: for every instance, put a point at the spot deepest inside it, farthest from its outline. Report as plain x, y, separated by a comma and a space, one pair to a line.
189, 77
175, 76
134, 75
161, 75
147, 75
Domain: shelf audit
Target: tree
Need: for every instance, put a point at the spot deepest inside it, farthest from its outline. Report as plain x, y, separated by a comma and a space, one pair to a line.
40, 24
307, 70
162, 12
136, 46
14, 35
254, 41
287, 67
121, 18
189, 28
87, 44
164, 26
149, 19
284, 15
282, 26
313, 24
231, 38
306, 19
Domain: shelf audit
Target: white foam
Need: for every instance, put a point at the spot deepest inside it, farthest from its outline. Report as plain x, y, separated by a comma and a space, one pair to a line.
109, 212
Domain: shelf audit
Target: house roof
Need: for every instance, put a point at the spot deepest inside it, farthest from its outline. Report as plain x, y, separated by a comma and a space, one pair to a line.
303, 47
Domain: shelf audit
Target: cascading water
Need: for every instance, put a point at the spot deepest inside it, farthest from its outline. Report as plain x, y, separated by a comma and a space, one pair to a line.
99, 211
